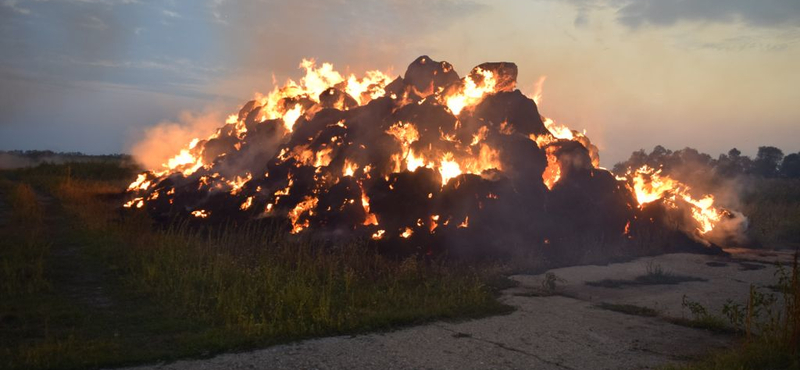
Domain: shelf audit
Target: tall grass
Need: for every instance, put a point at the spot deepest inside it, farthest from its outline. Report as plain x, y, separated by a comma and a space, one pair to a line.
290, 289
24, 205
23, 250
772, 327
263, 284
229, 287
773, 208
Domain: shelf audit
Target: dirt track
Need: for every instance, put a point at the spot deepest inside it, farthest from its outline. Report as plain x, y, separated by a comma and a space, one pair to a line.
564, 331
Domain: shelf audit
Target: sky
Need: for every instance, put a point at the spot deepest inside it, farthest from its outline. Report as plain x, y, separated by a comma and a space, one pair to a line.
95, 75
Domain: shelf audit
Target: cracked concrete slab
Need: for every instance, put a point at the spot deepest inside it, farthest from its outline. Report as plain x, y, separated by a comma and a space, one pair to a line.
552, 332
726, 278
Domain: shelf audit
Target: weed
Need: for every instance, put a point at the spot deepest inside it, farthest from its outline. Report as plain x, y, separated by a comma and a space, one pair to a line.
711, 323
701, 318
655, 275
734, 313
697, 309
628, 309
549, 284
771, 324
744, 266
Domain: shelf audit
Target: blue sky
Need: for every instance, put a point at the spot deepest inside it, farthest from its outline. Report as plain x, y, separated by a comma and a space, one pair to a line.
93, 75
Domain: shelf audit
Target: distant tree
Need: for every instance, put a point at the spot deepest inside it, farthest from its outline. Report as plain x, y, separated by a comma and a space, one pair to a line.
660, 151
659, 157
733, 164
767, 161
636, 160
691, 155
790, 167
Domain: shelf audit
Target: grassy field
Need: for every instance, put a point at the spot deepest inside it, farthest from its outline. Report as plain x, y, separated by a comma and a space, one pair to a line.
83, 286
773, 209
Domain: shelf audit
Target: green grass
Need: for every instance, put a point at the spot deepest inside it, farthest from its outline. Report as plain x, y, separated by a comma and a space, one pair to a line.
771, 324
117, 291
83, 288
655, 276
708, 322
628, 309
747, 356
704, 322
22, 248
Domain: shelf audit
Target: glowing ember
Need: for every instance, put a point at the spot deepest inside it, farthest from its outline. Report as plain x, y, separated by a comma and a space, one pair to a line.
349, 168
137, 202
371, 219
449, 168
552, 173
237, 183
247, 203
141, 183
304, 207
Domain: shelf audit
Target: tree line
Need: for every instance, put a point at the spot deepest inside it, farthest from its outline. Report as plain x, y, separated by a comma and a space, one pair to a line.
770, 162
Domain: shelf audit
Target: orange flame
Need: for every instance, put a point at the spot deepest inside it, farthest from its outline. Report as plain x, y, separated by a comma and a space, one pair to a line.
306, 206
650, 185
472, 92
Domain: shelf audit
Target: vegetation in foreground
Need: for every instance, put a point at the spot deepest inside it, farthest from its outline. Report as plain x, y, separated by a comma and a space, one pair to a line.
628, 309
655, 275
770, 324
83, 287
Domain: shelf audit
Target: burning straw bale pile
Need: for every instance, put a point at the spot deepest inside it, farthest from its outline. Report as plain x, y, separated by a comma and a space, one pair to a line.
429, 162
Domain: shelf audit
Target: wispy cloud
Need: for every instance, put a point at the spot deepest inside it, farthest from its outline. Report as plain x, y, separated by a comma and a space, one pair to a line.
94, 22
106, 2
761, 13
179, 66
759, 41
170, 13
764, 25
665, 13
13, 5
